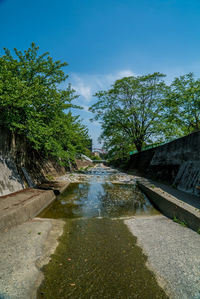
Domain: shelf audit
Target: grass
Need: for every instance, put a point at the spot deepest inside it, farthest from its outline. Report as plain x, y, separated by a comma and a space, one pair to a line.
49, 177
179, 221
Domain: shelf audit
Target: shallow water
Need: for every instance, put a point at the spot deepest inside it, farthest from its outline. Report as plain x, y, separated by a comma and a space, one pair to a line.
98, 197
97, 256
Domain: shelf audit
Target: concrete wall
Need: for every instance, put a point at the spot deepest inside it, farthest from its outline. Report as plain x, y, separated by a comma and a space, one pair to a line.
177, 163
171, 206
10, 180
15, 153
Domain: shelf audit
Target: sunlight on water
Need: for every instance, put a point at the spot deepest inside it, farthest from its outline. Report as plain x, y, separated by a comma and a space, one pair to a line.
100, 198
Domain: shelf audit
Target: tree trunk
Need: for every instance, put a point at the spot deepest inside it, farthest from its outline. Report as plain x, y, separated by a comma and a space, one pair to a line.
138, 145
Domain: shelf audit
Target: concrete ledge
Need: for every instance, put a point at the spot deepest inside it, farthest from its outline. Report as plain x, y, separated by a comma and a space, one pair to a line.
18, 207
57, 186
170, 206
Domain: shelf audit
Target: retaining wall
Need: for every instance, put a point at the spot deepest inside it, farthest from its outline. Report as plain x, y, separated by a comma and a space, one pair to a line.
15, 153
170, 206
176, 163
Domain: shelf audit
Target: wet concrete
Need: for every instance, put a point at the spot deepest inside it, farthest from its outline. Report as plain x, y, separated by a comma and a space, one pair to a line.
97, 256
98, 259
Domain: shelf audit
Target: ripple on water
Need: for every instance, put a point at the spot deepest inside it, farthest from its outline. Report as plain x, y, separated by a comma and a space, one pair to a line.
99, 199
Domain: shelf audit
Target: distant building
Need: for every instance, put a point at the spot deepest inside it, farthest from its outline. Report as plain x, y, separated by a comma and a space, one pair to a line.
96, 153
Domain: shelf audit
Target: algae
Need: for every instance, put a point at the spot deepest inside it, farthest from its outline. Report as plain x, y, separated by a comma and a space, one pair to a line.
98, 258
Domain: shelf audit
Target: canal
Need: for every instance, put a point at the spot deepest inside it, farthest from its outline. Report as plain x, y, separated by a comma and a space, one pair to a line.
97, 256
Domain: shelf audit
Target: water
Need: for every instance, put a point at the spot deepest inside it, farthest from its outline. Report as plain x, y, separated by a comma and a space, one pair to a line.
98, 197
97, 256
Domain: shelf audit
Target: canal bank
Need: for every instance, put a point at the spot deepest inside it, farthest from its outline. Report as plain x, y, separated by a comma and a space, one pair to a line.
84, 238
93, 248
98, 258
175, 204
173, 254
18, 207
24, 250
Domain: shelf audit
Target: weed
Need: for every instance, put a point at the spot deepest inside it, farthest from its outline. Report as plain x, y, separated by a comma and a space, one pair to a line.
49, 177
179, 221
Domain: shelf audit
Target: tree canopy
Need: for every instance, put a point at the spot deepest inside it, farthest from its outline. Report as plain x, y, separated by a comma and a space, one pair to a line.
141, 110
131, 112
33, 105
183, 104
134, 112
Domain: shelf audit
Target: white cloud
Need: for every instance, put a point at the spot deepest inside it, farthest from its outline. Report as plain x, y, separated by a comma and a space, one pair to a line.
81, 87
118, 75
86, 85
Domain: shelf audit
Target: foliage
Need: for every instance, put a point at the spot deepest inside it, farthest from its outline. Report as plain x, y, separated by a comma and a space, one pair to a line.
183, 105
131, 113
31, 103
179, 221
95, 158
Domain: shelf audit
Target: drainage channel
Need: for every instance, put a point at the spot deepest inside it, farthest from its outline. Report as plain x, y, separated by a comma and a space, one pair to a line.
97, 256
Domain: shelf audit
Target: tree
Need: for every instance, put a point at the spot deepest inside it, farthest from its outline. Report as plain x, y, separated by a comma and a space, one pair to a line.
131, 111
33, 105
183, 104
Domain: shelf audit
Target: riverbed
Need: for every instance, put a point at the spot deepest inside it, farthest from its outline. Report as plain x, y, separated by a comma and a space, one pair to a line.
97, 256
101, 254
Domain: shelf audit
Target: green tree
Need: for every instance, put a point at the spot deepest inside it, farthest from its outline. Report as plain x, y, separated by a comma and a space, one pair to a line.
131, 112
183, 105
33, 105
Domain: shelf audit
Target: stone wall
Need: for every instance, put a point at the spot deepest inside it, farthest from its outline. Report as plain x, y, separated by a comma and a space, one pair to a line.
177, 163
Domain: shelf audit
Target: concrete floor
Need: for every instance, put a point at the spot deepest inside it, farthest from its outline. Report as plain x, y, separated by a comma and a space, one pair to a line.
23, 250
173, 254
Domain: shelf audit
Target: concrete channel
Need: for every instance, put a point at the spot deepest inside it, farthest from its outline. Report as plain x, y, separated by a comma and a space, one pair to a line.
177, 205
171, 250
18, 207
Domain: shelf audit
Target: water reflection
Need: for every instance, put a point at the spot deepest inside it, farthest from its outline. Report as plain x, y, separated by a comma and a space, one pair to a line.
98, 258
99, 199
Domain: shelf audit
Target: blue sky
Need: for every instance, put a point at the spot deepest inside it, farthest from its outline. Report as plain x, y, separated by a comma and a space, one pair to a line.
107, 39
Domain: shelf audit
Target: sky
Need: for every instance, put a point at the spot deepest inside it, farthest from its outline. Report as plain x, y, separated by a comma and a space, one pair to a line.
105, 40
